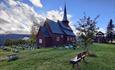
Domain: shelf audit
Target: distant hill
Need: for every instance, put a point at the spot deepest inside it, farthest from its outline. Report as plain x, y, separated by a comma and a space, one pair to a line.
13, 36
4, 37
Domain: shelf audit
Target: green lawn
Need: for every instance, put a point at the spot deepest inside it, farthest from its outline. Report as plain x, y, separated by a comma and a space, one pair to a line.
58, 59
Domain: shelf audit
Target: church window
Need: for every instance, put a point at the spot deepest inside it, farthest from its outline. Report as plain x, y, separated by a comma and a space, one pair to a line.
67, 38
61, 36
40, 41
58, 39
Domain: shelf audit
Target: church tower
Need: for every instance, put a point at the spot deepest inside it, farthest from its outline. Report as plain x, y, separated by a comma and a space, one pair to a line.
65, 20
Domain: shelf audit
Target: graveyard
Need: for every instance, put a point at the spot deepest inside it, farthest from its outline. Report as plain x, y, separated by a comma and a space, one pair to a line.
57, 35
58, 59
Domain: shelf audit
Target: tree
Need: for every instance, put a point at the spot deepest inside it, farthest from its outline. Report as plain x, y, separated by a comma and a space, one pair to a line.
87, 29
34, 31
110, 29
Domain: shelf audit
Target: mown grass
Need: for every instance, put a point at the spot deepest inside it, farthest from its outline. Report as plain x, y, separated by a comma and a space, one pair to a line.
58, 59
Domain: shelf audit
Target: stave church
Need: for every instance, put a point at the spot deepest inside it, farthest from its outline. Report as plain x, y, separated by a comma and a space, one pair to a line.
55, 33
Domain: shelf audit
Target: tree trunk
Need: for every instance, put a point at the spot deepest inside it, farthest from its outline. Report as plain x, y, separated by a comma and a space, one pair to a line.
86, 47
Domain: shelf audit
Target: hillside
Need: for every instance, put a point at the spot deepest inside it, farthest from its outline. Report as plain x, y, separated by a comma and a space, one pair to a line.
58, 59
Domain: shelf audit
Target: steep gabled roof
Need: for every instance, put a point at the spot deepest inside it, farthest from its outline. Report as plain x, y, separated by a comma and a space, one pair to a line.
44, 30
55, 28
63, 26
68, 32
99, 33
66, 29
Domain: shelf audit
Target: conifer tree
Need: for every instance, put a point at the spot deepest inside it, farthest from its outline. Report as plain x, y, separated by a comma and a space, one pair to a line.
110, 29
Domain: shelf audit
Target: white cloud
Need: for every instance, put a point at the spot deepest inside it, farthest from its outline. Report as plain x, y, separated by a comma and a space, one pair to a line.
37, 3
56, 14
11, 2
18, 17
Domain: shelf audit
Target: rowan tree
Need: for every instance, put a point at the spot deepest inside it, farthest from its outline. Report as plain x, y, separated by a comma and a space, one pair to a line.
87, 29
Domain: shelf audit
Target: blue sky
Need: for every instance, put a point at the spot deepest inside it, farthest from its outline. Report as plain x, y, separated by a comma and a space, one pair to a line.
104, 8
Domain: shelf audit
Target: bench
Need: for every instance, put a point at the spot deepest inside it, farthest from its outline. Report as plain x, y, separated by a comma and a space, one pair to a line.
78, 58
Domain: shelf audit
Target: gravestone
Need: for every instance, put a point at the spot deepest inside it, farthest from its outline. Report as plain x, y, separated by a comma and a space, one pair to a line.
12, 57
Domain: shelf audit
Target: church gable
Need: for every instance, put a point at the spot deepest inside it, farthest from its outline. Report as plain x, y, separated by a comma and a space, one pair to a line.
54, 26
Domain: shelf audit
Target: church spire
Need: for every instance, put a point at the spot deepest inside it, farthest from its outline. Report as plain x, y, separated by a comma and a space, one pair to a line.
65, 20
65, 14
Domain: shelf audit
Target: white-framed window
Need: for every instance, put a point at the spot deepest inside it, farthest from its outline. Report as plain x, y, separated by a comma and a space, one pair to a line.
40, 41
67, 38
57, 38
71, 38
61, 36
